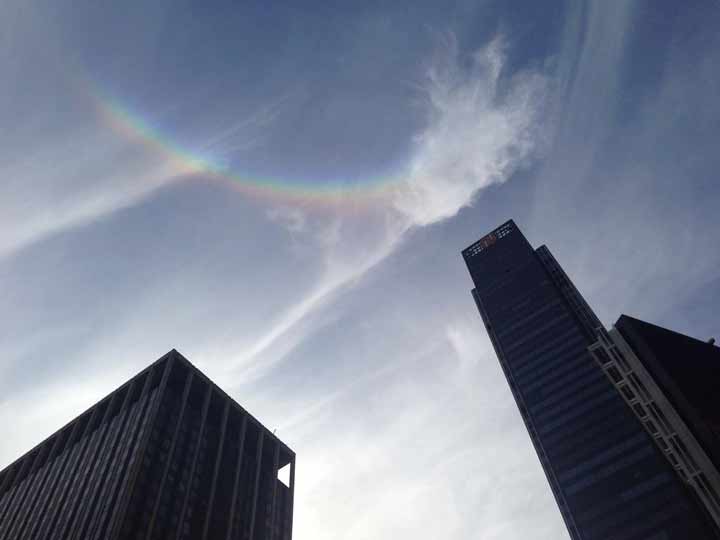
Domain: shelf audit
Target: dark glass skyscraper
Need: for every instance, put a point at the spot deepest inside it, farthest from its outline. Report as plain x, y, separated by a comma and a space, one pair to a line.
608, 477
168, 455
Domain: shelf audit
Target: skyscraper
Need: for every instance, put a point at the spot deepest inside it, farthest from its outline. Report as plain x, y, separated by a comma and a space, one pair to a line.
609, 479
168, 455
670, 382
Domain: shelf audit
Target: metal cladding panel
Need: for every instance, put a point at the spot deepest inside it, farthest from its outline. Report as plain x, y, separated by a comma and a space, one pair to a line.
604, 470
215, 461
60, 489
167, 455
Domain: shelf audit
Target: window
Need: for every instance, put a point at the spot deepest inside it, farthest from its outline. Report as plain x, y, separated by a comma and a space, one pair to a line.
682, 450
602, 356
627, 392
614, 374
685, 450
639, 410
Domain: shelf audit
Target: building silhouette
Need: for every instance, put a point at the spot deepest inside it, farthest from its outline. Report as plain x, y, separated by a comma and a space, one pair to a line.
671, 383
168, 455
608, 477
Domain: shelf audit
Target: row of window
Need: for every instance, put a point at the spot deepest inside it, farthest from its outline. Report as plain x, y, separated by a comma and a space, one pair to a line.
548, 328
49, 502
549, 356
588, 436
604, 456
549, 310
616, 524
572, 372
129, 454
648, 486
561, 390
604, 472
579, 410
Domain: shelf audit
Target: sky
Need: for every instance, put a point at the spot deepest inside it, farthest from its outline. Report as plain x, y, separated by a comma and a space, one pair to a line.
281, 191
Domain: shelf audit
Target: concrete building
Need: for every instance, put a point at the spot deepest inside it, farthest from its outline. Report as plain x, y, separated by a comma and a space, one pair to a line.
168, 455
671, 383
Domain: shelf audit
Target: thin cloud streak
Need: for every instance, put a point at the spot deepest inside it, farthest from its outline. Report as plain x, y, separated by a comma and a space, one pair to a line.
476, 135
99, 173
254, 362
353, 333
422, 471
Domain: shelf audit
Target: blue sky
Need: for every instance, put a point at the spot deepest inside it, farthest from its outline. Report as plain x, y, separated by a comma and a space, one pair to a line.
281, 192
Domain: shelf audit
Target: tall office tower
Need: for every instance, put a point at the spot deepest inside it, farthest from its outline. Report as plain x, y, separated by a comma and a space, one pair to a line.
168, 455
608, 477
671, 383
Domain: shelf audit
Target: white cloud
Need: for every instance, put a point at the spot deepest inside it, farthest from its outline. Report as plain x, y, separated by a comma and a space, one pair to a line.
478, 131
427, 449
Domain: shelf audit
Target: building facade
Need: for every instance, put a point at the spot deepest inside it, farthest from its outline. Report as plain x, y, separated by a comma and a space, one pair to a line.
670, 382
608, 477
168, 455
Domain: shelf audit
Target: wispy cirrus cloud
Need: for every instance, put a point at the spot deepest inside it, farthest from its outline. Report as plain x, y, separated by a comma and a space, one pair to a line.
481, 125
352, 333
38, 200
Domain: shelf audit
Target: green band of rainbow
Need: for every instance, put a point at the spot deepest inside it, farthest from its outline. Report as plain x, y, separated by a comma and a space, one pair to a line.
133, 126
